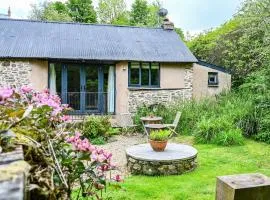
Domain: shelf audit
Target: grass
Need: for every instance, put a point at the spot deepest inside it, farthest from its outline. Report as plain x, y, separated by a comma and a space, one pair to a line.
200, 184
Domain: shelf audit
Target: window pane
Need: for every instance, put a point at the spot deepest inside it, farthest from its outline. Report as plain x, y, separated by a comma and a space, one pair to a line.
135, 73
212, 78
73, 86
155, 74
58, 71
145, 73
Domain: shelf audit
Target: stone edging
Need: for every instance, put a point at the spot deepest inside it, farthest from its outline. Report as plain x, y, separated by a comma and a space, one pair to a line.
153, 168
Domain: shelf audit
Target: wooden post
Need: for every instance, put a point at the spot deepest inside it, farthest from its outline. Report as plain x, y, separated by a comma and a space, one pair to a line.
243, 187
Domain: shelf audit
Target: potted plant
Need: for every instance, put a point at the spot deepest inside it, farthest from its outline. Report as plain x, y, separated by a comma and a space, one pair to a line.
158, 139
151, 115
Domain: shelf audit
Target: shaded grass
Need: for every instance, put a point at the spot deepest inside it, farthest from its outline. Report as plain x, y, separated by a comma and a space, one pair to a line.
213, 161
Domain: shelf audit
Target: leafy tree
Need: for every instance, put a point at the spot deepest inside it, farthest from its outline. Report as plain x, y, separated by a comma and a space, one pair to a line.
180, 32
122, 19
242, 44
153, 19
37, 11
139, 13
112, 12
56, 11
82, 11
203, 45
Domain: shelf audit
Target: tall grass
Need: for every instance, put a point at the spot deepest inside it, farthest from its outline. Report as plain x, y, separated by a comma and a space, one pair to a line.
223, 120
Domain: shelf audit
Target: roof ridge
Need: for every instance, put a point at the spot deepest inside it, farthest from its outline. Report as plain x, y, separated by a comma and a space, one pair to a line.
78, 23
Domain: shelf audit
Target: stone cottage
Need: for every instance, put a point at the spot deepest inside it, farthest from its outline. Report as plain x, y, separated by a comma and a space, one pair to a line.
105, 68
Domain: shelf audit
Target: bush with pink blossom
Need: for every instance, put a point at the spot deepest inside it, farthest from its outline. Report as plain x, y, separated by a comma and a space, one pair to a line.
61, 157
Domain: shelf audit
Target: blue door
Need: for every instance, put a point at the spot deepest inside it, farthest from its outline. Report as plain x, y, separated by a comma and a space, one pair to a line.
82, 88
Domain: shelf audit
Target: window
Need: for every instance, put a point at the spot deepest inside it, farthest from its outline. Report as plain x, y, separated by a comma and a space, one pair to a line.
134, 74
212, 79
143, 74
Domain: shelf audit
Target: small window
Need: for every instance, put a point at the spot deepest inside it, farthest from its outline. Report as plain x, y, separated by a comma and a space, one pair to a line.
135, 74
212, 78
144, 74
155, 74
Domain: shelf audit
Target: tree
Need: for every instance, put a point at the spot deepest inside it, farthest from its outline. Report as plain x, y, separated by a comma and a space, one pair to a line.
241, 45
122, 19
50, 11
112, 11
153, 19
57, 11
139, 13
82, 11
37, 11
180, 32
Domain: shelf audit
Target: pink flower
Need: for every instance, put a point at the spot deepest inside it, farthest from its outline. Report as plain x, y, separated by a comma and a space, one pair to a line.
66, 118
94, 157
26, 89
70, 139
5, 93
117, 178
104, 168
107, 155
91, 148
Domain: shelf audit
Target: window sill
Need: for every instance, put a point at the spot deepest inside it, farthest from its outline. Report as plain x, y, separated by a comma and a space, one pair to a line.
144, 88
214, 85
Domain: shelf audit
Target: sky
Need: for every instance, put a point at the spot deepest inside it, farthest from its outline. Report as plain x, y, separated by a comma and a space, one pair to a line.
193, 16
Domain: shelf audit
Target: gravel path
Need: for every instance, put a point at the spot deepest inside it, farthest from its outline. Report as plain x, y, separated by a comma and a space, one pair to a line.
117, 146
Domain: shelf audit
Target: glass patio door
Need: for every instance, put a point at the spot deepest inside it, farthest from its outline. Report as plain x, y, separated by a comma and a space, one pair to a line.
72, 86
82, 88
91, 88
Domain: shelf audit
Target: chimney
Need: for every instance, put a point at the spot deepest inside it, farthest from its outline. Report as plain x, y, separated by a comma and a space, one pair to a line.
167, 24
9, 12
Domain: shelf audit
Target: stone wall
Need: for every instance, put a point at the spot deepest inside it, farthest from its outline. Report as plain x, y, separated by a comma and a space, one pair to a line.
13, 175
151, 96
154, 168
14, 73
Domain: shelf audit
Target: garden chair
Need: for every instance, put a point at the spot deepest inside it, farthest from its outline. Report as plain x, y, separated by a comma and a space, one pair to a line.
172, 127
125, 121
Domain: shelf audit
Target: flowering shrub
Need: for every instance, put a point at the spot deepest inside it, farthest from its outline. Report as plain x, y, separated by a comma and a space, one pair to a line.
60, 158
91, 166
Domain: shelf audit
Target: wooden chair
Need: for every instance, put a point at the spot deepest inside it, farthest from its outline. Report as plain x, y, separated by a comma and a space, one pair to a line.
125, 121
171, 127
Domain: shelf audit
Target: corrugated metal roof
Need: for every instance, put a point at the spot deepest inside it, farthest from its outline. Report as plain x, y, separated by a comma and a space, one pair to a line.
36, 39
213, 66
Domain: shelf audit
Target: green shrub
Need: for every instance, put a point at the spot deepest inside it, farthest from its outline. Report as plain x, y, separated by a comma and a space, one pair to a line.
96, 126
219, 131
192, 113
229, 137
160, 135
228, 113
98, 141
207, 129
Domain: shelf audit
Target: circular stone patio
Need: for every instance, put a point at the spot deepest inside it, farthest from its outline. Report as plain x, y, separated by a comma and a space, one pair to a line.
176, 159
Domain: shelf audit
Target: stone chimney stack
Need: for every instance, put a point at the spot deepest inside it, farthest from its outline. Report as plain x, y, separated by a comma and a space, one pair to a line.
9, 12
167, 24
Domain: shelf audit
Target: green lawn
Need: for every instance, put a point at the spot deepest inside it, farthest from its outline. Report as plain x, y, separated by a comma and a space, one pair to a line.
213, 161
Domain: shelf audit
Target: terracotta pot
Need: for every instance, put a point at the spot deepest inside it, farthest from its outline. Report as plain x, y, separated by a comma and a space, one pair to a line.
158, 145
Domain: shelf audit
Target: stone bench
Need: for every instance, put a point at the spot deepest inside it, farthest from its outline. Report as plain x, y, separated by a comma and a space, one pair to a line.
243, 187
